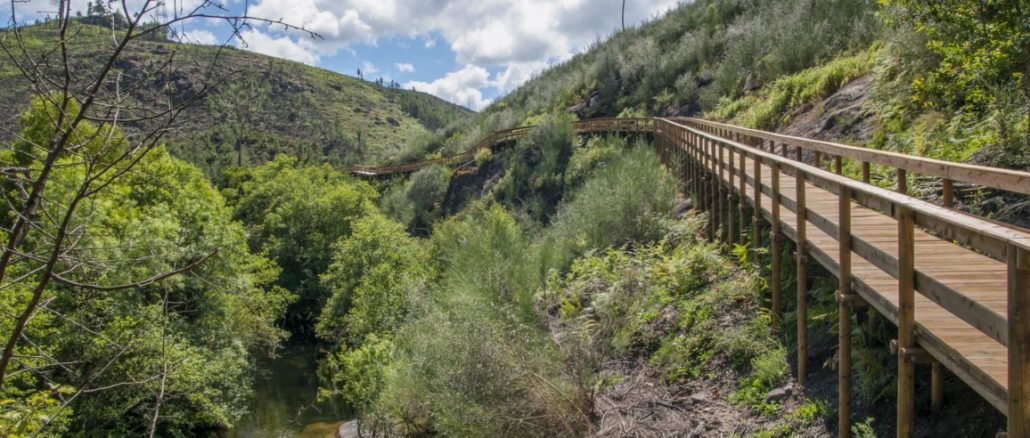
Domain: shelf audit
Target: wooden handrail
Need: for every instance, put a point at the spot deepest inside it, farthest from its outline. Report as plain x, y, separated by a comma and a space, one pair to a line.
711, 176
1002, 179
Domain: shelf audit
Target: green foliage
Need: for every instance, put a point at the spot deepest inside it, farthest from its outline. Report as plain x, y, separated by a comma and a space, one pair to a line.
193, 337
769, 108
475, 360
863, 429
980, 45
623, 202
536, 167
295, 214
374, 270
768, 371
359, 374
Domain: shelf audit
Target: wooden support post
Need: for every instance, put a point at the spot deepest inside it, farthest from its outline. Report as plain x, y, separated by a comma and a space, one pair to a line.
713, 205
949, 193
742, 200
845, 305
731, 231
838, 165
800, 260
936, 386
720, 190
906, 320
756, 219
1019, 341
865, 172
902, 181
818, 159
777, 242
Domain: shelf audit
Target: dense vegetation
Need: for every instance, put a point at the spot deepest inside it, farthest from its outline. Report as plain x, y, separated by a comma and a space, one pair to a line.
485, 300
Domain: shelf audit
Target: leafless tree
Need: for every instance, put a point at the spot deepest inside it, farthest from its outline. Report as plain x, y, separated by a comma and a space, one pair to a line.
102, 94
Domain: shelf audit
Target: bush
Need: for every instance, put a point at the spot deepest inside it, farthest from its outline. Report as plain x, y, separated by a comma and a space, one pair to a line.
622, 203
477, 361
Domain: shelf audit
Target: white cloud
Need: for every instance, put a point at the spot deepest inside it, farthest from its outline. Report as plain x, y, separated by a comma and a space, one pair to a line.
486, 32
404, 67
282, 47
369, 68
199, 36
519, 38
461, 87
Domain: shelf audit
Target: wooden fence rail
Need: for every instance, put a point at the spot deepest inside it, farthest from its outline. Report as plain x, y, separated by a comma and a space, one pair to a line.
969, 313
955, 285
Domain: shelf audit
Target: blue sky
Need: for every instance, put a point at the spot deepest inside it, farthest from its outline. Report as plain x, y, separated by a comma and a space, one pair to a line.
467, 52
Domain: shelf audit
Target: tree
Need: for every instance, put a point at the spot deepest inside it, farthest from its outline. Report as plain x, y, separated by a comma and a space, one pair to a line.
67, 168
239, 105
374, 269
983, 45
296, 214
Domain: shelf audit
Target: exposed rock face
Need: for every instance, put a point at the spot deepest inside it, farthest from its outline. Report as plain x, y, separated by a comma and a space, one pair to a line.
842, 117
348, 430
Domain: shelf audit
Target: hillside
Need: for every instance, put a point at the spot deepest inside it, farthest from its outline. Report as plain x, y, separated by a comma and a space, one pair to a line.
269, 105
561, 283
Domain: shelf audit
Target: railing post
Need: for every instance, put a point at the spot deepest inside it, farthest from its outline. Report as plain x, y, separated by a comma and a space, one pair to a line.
712, 197
949, 193
906, 320
742, 208
756, 239
818, 159
865, 172
731, 232
936, 386
838, 165
1019, 341
721, 187
777, 241
801, 259
845, 299
902, 181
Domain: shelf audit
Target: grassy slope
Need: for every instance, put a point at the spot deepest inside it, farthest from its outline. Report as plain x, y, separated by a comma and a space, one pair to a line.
310, 112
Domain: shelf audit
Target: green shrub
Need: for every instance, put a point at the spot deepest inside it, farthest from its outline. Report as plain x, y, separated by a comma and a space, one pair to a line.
623, 202
476, 360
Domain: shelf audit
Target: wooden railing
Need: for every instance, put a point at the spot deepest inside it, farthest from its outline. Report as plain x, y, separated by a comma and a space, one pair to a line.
949, 172
725, 168
716, 180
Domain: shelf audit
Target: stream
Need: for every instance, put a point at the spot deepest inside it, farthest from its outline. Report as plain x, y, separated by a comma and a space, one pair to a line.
284, 399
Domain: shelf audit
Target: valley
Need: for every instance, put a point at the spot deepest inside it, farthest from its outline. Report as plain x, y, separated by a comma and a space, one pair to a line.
727, 218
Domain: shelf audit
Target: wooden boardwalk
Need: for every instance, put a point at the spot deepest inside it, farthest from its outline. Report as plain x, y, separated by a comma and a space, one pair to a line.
957, 286
949, 284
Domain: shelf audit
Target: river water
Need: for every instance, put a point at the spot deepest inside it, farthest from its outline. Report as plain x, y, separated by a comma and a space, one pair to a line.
284, 399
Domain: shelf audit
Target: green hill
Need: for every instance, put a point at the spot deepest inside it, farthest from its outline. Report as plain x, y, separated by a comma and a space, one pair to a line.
269, 105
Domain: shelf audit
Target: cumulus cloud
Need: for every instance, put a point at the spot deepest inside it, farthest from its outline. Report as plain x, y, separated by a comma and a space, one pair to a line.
369, 68
516, 39
199, 36
461, 87
282, 47
486, 32
404, 67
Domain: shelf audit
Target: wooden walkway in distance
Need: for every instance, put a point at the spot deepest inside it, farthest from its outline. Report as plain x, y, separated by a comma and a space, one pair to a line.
957, 286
